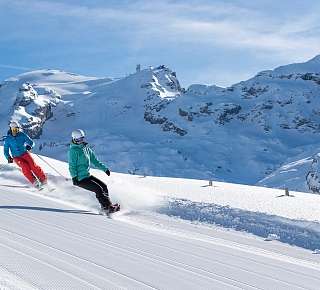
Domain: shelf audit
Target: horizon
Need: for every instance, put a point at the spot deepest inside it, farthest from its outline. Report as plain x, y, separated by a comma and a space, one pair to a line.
142, 68
207, 42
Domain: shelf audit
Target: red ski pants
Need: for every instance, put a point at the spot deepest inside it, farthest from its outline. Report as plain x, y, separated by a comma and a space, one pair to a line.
29, 168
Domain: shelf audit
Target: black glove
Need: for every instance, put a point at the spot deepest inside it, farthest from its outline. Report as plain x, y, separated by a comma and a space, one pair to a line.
108, 172
28, 147
10, 159
75, 181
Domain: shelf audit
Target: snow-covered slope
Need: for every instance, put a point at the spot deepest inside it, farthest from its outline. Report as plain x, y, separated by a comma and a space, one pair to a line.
301, 174
56, 240
292, 175
146, 123
257, 125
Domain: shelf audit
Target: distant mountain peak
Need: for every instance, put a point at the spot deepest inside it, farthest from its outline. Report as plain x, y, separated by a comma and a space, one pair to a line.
310, 66
315, 59
155, 126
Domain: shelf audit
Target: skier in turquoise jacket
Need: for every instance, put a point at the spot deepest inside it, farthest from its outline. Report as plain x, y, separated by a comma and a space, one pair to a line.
80, 158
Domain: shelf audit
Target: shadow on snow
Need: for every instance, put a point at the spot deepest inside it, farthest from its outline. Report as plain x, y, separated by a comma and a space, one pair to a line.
47, 209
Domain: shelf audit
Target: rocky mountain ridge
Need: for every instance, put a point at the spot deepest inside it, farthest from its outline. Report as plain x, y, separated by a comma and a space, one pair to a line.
151, 125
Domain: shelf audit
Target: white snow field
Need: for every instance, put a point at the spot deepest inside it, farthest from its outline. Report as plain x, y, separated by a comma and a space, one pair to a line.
170, 234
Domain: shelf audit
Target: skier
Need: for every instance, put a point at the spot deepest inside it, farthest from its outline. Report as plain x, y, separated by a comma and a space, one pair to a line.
80, 157
19, 144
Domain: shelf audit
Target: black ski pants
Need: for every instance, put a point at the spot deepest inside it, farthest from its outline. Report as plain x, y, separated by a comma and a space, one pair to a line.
96, 185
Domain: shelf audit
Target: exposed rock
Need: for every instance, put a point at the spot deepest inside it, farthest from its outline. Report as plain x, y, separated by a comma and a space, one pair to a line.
254, 91
227, 112
162, 89
33, 110
153, 119
169, 126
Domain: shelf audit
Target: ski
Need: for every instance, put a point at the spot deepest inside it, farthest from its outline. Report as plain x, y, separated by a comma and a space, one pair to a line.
46, 188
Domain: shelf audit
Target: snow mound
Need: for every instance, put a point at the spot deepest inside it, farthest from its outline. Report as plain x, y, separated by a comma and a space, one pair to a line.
301, 233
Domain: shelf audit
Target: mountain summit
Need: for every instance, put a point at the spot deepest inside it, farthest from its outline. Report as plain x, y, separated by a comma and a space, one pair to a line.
146, 123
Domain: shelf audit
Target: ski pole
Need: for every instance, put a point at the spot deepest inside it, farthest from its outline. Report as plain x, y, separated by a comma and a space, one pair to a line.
50, 166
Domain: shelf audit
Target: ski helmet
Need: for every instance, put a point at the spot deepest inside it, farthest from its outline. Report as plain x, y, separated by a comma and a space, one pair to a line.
78, 135
14, 124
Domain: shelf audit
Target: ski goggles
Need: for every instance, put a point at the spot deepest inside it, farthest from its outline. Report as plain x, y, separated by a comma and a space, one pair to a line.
15, 130
79, 140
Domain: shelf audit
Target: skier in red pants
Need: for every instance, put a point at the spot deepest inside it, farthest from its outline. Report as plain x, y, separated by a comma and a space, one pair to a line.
19, 144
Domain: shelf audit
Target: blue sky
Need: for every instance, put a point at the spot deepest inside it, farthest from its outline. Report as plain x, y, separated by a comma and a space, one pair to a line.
210, 42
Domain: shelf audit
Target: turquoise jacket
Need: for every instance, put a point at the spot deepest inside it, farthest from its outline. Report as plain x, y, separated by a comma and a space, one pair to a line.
80, 158
16, 144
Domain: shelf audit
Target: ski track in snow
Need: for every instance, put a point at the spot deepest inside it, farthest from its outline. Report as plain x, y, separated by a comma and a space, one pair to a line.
156, 259
132, 250
57, 240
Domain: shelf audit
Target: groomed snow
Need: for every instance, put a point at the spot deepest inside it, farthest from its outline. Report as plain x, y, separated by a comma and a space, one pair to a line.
167, 235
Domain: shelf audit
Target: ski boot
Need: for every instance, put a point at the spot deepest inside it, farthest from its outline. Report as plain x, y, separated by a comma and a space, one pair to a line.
114, 208
107, 211
38, 185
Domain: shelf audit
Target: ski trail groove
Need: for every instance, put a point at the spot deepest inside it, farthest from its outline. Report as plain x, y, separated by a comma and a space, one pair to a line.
42, 253
225, 253
131, 252
224, 277
240, 247
47, 264
74, 256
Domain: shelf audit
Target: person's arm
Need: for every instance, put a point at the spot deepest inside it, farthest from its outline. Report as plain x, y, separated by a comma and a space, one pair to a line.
96, 163
73, 163
28, 141
6, 149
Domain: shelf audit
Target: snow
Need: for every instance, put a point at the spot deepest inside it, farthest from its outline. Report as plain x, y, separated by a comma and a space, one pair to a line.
241, 134
171, 233
311, 66
52, 76
291, 175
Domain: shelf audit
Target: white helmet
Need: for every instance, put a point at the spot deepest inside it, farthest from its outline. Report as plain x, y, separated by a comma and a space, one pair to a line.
14, 124
77, 134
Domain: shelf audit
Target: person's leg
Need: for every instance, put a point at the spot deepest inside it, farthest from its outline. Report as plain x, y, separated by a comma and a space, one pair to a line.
36, 169
112, 207
90, 184
26, 170
105, 189
101, 183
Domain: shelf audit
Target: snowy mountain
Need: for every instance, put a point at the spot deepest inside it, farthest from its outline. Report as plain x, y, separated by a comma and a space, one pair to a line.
168, 235
145, 123
301, 175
